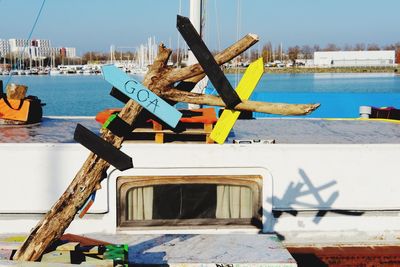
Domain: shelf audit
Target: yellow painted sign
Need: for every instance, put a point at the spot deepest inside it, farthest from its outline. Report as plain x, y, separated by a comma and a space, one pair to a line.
244, 89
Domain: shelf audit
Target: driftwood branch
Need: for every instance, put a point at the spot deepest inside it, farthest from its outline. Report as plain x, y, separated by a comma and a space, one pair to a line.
221, 58
86, 181
246, 105
194, 74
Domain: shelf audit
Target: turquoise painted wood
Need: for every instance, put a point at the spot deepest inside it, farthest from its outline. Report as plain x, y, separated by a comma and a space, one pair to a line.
142, 95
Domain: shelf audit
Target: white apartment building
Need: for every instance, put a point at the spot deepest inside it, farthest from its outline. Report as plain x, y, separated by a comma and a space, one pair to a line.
40, 52
354, 58
19, 47
30, 48
34, 49
70, 52
43, 43
4, 47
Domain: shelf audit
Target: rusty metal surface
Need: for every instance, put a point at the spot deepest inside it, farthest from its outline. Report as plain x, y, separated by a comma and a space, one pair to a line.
347, 256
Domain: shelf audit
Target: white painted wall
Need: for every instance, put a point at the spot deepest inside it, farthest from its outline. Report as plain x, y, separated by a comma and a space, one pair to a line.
354, 177
354, 58
34, 176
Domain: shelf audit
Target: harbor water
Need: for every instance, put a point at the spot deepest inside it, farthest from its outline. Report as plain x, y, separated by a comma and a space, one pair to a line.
340, 95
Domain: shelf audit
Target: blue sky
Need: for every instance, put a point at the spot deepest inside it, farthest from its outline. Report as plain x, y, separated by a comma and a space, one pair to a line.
96, 24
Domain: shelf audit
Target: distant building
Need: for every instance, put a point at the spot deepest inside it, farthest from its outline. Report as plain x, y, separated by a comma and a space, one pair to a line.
19, 46
70, 52
40, 48
42, 43
4, 48
34, 49
354, 58
39, 52
55, 51
30, 48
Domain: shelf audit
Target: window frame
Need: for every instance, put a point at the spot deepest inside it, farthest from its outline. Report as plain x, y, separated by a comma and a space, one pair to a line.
253, 181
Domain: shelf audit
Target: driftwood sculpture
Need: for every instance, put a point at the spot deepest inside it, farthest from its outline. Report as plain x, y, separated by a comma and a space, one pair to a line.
160, 79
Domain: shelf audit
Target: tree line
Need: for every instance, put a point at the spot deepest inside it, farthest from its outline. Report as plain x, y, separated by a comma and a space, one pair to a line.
292, 53
268, 52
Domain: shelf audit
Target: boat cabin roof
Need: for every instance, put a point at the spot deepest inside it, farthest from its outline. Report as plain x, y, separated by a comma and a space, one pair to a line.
283, 131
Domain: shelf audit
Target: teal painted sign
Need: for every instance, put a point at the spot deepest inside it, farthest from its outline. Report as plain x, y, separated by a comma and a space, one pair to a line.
142, 95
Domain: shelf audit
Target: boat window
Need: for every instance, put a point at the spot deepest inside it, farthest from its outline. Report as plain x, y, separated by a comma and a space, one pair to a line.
189, 200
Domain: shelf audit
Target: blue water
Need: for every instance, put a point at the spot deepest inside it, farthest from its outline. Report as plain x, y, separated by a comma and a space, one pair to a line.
73, 95
340, 95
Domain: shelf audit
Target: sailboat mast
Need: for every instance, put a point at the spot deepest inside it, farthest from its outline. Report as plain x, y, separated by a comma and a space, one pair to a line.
196, 19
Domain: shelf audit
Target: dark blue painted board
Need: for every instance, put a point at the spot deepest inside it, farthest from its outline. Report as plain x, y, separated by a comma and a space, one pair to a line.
102, 148
207, 62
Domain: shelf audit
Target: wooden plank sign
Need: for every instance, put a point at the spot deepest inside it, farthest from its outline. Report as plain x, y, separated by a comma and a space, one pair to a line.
85, 208
244, 89
102, 148
207, 62
143, 96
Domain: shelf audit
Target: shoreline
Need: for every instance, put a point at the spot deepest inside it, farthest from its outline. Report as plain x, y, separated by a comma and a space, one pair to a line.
276, 70
322, 70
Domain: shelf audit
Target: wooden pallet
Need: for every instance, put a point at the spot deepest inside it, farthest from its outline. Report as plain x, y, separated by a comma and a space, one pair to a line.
160, 135
201, 131
70, 249
190, 129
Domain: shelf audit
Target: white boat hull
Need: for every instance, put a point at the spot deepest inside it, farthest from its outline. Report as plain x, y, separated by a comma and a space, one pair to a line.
309, 191
360, 178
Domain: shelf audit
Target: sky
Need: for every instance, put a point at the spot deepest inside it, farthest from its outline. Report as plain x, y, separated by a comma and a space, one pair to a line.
94, 25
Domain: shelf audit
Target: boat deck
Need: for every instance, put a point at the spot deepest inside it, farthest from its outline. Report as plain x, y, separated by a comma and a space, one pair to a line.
191, 250
201, 250
318, 131
283, 131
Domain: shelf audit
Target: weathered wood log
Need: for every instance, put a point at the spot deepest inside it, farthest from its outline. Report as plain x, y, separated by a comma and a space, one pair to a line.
193, 74
246, 105
16, 91
228, 54
86, 181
